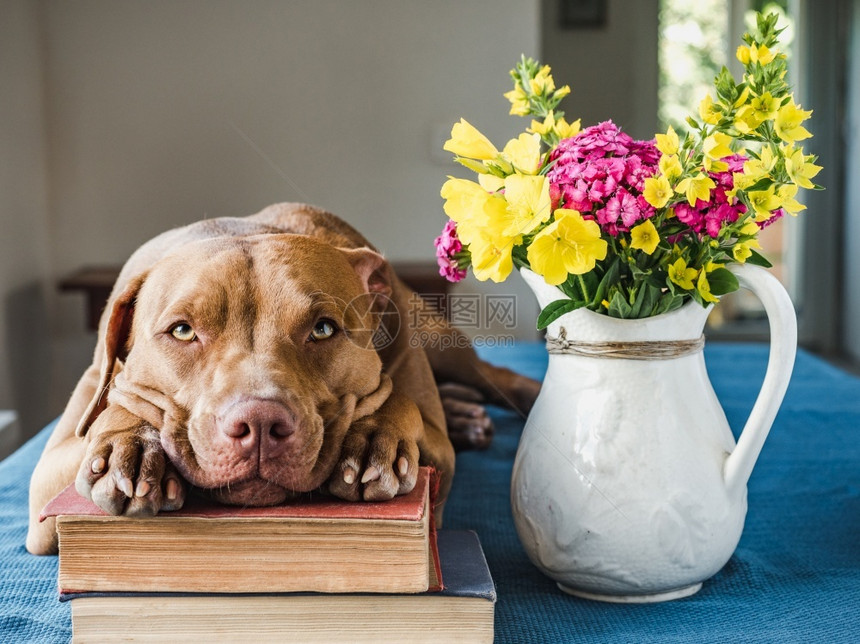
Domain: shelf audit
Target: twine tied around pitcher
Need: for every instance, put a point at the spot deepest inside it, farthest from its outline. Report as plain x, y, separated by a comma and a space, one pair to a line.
631, 350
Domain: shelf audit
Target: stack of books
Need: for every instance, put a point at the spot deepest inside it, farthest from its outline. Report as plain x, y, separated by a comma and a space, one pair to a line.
314, 570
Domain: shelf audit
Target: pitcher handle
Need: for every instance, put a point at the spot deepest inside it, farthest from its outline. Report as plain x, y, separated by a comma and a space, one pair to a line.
783, 347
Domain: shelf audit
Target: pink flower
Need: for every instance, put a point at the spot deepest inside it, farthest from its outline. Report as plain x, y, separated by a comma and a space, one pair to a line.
447, 246
690, 215
709, 217
622, 205
601, 170
775, 216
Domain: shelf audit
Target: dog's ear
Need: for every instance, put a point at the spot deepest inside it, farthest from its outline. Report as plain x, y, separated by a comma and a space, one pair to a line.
115, 342
371, 267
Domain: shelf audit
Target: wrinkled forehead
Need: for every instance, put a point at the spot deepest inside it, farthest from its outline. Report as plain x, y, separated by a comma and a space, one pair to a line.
265, 270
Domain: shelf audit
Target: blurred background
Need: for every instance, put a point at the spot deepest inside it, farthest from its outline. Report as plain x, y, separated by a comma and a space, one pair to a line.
120, 119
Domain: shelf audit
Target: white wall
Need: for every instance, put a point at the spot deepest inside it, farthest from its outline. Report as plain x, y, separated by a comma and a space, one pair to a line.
24, 256
612, 70
165, 112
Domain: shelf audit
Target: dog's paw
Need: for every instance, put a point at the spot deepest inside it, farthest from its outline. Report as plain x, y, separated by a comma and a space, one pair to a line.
375, 465
127, 472
469, 425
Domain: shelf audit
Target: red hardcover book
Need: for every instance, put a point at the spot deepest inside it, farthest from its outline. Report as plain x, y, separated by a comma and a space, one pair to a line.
317, 543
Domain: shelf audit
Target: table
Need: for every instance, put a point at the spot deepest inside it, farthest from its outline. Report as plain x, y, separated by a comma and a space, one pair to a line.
795, 576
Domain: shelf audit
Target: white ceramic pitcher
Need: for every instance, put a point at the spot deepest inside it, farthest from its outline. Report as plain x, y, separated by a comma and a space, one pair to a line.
628, 485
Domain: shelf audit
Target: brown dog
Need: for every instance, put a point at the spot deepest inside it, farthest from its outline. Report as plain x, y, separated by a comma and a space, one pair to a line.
238, 356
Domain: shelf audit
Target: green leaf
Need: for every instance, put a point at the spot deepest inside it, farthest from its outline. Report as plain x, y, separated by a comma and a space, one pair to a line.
619, 307
609, 278
757, 259
652, 295
722, 281
570, 287
725, 86
555, 310
761, 184
668, 302
588, 283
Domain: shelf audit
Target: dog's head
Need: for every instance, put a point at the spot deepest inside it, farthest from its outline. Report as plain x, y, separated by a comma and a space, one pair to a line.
252, 356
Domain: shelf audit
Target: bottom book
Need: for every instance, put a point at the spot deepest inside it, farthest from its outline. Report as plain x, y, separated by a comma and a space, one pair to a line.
462, 612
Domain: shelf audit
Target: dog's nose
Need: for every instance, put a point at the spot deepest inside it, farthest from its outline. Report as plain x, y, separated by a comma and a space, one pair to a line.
249, 426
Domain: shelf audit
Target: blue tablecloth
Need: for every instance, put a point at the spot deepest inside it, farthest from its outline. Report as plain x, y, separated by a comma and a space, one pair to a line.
795, 576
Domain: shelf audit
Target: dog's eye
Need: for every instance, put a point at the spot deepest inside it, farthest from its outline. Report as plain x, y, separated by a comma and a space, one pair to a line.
183, 332
322, 330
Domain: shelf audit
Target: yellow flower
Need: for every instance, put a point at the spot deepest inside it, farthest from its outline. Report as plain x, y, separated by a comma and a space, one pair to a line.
519, 101
740, 181
698, 187
569, 245
747, 119
707, 112
561, 92
545, 127
742, 252
464, 199
491, 183
529, 204
756, 169
645, 237
800, 168
523, 153
764, 202
765, 106
760, 54
704, 288
716, 147
497, 217
542, 82
749, 229
788, 122
561, 128
785, 193
681, 275
491, 256
668, 143
565, 130
466, 141
465, 203
670, 166
657, 191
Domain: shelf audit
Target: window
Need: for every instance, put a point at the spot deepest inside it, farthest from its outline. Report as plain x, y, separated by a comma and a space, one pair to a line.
696, 40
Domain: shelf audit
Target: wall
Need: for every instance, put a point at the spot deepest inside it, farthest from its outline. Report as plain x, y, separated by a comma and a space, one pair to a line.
24, 257
612, 70
162, 112
852, 183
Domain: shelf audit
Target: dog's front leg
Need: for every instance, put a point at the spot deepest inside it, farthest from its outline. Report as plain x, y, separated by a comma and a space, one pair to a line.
125, 469
379, 457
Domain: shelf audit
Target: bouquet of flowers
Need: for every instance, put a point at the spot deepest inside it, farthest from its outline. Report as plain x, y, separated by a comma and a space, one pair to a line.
630, 228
